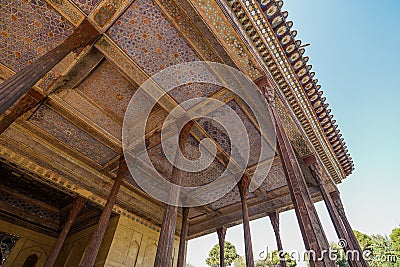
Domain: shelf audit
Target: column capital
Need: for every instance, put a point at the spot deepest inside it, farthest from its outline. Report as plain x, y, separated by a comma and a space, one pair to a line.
274, 218
267, 90
221, 231
84, 34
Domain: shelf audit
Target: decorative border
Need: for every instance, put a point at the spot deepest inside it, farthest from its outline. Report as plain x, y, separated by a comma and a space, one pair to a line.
68, 10
264, 39
108, 12
227, 36
184, 25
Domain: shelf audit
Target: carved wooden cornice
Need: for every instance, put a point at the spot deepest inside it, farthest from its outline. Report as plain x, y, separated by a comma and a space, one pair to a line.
265, 25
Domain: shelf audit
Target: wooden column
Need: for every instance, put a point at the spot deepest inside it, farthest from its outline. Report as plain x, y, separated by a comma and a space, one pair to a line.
313, 235
14, 88
274, 218
333, 213
167, 233
243, 187
77, 206
182, 241
221, 239
95, 242
23, 105
335, 196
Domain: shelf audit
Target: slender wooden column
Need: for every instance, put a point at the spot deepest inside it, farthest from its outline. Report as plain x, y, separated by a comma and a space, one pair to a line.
243, 186
313, 235
333, 213
14, 88
166, 239
95, 242
274, 218
182, 241
77, 206
335, 196
221, 239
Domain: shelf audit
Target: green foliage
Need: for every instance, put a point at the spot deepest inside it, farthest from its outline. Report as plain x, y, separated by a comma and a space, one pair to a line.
339, 254
364, 240
240, 262
230, 255
273, 260
382, 249
395, 239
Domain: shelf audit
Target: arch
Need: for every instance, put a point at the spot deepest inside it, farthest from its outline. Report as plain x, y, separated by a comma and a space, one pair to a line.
31, 261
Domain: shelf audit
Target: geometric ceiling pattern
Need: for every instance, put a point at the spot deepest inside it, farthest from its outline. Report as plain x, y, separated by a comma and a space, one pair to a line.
73, 139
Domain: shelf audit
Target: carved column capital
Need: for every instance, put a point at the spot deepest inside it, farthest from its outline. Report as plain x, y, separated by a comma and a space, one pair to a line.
267, 90
274, 218
270, 95
221, 231
316, 171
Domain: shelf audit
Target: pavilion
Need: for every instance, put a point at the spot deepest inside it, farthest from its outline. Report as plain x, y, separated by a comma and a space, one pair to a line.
68, 69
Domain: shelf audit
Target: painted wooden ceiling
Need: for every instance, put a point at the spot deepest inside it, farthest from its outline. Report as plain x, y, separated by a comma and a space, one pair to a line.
73, 139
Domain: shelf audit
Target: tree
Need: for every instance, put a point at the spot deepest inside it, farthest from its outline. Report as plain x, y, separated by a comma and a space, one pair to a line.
339, 254
382, 249
395, 239
229, 252
364, 240
239, 262
273, 260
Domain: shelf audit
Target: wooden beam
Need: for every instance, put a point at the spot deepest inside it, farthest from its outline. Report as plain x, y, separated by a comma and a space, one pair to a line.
243, 187
221, 239
166, 239
182, 241
77, 206
95, 242
19, 84
274, 218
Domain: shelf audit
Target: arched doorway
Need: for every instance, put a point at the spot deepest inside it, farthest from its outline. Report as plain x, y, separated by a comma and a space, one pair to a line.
31, 261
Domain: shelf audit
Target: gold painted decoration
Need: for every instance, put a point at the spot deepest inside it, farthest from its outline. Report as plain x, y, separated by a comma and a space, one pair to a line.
271, 11
107, 12
290, 49
294, 57
68, 10
282, 30
286, 40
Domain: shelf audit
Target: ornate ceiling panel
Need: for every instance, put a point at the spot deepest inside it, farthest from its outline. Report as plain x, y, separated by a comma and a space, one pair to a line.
253, 135
193, 90
192, 152
276, 178
232, 198
145, 34
65, 131
108, 89
29, 29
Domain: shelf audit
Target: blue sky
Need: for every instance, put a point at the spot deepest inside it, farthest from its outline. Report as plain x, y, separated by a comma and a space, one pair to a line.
355, 54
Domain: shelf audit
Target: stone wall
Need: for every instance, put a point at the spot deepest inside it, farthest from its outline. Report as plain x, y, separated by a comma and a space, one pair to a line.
29, 243
134, 245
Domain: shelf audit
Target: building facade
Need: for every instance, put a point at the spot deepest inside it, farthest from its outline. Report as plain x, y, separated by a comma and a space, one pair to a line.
68, 69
